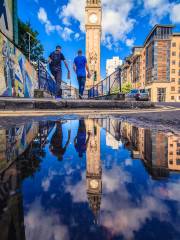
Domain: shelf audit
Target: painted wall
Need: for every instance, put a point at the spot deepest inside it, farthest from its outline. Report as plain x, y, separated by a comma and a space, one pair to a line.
6, 17
14, 142
17, 76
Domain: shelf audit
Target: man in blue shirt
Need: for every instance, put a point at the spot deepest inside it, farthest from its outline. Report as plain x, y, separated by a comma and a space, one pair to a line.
80, 67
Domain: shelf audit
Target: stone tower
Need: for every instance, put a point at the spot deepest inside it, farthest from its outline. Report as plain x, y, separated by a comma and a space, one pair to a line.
93, 168
93, 40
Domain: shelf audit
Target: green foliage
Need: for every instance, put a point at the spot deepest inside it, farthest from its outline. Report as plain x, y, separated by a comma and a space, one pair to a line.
126, 87
36, 47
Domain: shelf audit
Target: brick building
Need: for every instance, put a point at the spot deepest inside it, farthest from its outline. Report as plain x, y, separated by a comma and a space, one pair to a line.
156, 65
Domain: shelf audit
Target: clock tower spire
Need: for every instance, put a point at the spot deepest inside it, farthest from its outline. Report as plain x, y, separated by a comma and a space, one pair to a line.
93, 40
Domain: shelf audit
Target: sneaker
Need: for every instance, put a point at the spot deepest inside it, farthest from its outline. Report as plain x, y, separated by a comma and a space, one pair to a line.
58, 98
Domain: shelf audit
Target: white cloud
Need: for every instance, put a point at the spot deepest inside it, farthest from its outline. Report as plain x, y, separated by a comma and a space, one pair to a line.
49, 27
65, 32
175, 13
130, 42
116, 23
158, 9
42, 224
74, 11
77, 36
42, 15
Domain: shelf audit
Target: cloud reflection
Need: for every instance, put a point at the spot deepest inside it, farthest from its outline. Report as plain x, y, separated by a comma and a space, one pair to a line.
44, 225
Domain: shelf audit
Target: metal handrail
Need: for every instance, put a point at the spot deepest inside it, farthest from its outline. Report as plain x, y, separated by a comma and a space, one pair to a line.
108, 86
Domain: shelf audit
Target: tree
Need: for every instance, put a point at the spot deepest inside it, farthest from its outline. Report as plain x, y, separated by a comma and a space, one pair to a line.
126, 87
36, 48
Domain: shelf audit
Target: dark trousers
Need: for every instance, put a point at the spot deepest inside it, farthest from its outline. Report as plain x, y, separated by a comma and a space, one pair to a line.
58, 78
82, 82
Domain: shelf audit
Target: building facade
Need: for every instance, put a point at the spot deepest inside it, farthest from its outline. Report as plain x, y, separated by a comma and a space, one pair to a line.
112, 65
156, 65
93, 16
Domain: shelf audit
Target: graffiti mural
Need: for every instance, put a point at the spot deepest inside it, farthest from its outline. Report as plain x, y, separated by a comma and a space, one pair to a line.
6, 17
14, 141
17, 76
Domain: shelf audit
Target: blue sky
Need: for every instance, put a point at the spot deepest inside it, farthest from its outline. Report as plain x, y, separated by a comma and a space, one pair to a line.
125, 23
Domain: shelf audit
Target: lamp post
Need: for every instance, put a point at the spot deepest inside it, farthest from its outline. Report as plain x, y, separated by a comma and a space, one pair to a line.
29, 44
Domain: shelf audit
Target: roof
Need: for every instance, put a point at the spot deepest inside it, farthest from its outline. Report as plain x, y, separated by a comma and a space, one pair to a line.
156, 26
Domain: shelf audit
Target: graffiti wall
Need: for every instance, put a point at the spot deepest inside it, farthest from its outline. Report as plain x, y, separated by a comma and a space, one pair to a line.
6, 17
17, 76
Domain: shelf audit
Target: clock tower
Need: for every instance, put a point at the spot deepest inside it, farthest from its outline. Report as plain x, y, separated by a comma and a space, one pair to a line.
93, 40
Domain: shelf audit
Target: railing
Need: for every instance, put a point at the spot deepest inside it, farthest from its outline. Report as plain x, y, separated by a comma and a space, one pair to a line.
45, 80
47, 83
110, 85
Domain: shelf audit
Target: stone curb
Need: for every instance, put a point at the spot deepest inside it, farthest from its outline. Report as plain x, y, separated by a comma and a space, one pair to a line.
21, 104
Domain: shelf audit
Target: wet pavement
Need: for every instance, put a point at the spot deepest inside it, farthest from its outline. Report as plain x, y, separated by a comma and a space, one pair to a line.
83, 179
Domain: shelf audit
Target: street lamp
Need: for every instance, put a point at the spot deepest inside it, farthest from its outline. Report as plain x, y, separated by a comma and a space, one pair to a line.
29, 44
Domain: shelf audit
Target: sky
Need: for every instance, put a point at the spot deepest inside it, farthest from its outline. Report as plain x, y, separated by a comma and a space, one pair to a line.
125, 23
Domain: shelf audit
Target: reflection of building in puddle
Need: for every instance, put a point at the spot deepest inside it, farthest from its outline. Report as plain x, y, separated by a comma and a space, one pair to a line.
11, 213
112, 142
93, 168
14, 167
173, 152
159, 151
14, 141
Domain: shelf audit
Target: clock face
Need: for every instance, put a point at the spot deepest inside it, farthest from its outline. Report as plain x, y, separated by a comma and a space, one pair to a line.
94, 184
93, 18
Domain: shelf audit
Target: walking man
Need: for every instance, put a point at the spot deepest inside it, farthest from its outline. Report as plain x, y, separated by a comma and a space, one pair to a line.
55, 66
80, 67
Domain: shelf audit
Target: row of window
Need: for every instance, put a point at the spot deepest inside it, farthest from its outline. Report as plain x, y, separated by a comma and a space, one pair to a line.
174, 80
177, 162
174, 62
173, 98
173, 71
174, 44
175, 54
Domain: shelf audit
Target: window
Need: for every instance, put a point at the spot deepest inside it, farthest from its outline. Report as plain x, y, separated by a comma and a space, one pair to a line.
172, 89
173, 44
171, 162
173, 53
178, 161
173, 71
179, 81
173, 62
173, 79
172, 97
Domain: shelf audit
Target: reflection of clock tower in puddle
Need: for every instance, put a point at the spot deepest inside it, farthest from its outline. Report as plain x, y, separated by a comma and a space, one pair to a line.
93, 39
93, 168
